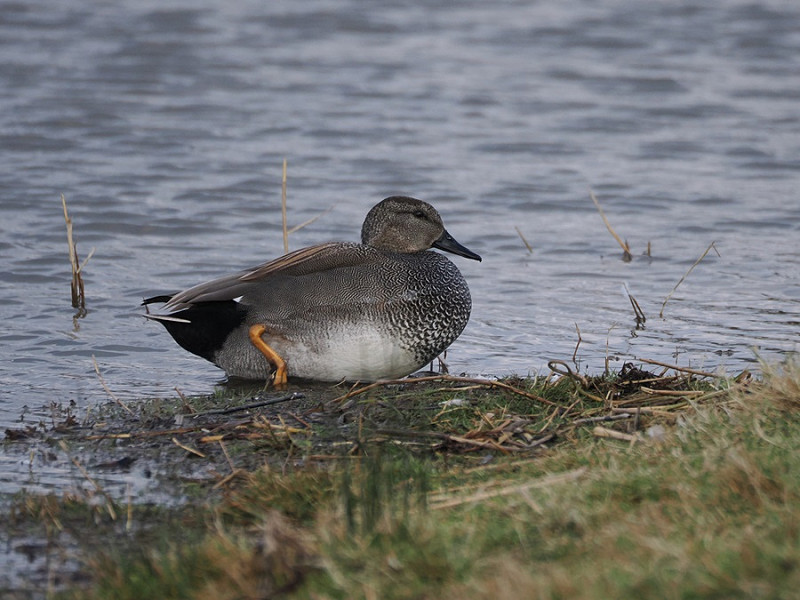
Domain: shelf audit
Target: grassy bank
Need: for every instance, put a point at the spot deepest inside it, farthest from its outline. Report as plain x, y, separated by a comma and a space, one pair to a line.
641, 484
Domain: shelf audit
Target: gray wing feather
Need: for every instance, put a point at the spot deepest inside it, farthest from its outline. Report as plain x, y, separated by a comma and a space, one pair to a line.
300, 262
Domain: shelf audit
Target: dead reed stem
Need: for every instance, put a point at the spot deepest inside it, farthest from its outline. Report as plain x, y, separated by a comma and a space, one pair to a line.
626, 256
637, 310
604, 432
697, 262
76, 288
524, 241
283, 209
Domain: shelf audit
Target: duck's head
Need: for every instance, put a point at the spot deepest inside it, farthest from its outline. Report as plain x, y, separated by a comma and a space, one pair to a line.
408, 225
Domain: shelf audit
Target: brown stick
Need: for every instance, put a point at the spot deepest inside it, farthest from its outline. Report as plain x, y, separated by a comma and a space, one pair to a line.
624, 245
76, 287
637, 310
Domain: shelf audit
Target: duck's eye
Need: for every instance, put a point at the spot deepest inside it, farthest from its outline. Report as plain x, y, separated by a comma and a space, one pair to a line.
419, 214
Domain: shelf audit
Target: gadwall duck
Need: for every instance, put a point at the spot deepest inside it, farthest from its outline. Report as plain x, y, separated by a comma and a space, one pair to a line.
336, 311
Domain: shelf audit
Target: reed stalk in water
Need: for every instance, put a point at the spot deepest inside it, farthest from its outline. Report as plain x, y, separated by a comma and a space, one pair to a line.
76, 288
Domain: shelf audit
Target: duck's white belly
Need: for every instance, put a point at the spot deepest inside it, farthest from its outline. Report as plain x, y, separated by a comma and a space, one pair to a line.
336, 351
359, 353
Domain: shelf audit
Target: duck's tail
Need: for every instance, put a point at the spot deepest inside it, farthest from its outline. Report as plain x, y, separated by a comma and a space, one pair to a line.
203, 327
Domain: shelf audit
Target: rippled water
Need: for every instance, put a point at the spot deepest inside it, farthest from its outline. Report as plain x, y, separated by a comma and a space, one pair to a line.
165, 127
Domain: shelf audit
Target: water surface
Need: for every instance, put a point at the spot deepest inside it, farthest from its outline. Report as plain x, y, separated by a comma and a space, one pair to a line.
165, 127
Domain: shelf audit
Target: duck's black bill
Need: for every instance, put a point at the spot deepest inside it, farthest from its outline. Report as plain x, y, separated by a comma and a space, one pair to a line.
448, 243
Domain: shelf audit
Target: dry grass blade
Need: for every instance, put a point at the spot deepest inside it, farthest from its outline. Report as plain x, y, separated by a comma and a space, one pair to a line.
189, 449
686, 393
656, 411
624, 245
312, 219
230, 477
509, 490
697, 262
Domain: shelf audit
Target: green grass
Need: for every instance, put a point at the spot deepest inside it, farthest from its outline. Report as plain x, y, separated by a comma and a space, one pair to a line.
710, 509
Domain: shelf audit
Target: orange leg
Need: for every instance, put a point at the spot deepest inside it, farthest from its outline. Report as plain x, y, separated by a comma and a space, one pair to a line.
279, 378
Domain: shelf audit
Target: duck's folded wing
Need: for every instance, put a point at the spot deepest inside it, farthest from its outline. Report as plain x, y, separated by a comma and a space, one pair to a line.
321, 257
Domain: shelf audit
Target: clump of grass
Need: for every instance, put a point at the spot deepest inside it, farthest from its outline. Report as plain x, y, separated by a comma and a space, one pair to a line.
711, 511
297, 495
781, 384
272, 558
